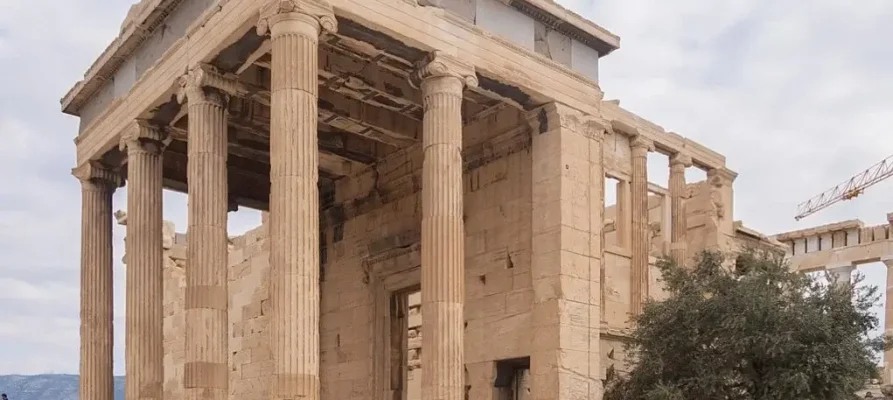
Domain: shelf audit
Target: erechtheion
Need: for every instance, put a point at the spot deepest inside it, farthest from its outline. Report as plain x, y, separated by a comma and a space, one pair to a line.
439, 164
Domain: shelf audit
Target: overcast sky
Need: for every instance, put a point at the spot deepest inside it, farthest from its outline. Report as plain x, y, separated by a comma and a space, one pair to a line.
797, 94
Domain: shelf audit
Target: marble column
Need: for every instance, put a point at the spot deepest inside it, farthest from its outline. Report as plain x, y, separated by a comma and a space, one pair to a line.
887, 379
641, 233
144, 351
442, 79
841, 274
205, 370
678, 214
294, 27
97, 186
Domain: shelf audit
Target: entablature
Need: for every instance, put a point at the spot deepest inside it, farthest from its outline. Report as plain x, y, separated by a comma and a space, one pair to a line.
669, 143
399, 32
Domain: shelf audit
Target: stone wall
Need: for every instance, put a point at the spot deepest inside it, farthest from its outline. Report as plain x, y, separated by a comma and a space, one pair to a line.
370, 250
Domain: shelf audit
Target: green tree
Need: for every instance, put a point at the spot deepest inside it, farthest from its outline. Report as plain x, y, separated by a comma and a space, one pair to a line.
750, 331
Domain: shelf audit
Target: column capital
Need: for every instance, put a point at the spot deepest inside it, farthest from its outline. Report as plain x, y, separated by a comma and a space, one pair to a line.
722, 174
94, 172
438, 64
680, 159
194, 85
144, 137
642, 143
318, 11
556, 115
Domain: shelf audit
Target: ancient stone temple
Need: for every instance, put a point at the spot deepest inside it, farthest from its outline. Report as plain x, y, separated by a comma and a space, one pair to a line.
459, 151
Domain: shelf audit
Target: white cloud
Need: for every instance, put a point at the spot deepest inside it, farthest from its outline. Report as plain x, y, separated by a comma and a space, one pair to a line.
795, 94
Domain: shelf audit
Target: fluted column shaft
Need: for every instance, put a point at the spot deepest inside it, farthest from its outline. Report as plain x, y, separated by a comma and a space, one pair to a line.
97, 187
640, 231
678, 214
294, 28
206, 375
144, 351
442, 80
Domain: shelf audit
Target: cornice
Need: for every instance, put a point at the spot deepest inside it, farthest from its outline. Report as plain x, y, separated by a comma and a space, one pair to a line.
134, 32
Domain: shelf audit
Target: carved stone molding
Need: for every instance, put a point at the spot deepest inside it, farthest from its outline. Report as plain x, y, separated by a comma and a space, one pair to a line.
680, 159
144, 136
204, 84
555, 115
93, 171
438, 64
283, 10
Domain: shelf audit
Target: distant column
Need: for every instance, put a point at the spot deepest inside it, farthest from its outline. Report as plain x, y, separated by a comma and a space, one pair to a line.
641, 234
205, 371
144, 351
841, 274
97, 186
888, 323
294, 27
678, 214
442, 79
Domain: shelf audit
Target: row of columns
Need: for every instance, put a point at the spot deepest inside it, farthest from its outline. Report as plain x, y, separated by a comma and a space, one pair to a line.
294, 28
641, 232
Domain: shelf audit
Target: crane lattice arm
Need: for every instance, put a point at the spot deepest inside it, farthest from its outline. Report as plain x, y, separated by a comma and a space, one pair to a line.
847, 189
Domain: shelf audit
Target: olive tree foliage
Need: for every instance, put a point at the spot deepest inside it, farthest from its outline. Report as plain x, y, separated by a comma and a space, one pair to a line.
752, 330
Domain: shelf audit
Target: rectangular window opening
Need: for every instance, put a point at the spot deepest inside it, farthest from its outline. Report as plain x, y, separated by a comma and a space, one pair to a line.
513, 379
406, 344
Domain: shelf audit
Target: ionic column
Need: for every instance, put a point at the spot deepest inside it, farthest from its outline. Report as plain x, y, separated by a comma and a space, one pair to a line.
678, 164
888, 323
442, 79
97, 186
294, 27
641, 234
206, 375
144, 351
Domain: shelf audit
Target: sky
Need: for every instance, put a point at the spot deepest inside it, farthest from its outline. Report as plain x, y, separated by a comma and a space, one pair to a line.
797, 94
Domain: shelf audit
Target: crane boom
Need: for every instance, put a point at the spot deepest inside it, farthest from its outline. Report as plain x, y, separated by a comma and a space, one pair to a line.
848, 189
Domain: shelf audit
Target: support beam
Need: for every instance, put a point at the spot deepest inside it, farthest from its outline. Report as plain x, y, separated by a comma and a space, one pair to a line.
329, 162
206, 370
641, 233
97, 186
294, 28
144, 350
442, 79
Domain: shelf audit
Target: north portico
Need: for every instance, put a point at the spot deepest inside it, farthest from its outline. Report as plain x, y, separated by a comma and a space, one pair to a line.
456, 147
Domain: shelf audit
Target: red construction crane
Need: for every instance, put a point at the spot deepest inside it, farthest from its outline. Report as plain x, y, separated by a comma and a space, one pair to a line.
848, 189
